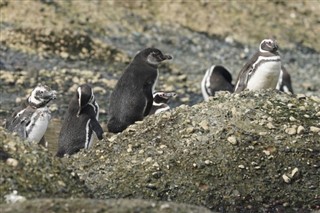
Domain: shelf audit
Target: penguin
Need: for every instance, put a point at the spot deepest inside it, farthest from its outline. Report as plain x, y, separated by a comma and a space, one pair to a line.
284, 82
30, 121
80, 121
160, 100
262, 71
217, 78
132, 97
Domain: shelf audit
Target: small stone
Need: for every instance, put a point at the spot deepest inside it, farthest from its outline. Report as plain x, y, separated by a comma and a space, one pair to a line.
301, 96
314, 129
318, 114
270, 125
232, 140
267, 152
149, 159
165, 206
241, 166
291, 131
291, 118
300, 130
286, 178
204, 124
64, 55
12, 162
207, 162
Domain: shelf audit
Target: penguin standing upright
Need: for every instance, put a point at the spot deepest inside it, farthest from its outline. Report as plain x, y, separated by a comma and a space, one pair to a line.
262, 71
80, 121
217, 78
30, 121
160, 100
132, 97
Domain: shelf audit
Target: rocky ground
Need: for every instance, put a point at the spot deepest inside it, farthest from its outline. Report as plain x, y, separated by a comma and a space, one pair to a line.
214, 154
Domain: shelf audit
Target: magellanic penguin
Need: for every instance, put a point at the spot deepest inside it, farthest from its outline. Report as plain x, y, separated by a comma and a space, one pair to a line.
284, 82
262, 71
217, 78
132, 97
80, 121
30, 121
160, 100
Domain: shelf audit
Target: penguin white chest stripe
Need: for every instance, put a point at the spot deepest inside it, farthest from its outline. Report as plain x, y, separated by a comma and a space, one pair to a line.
162, 109
205, 83
265, 74
88, 142
263, 80
279, 81
96, 108
38, 124
155, 82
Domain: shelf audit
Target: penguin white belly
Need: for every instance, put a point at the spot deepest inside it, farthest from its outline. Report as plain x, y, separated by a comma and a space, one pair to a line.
266, 76
38, 125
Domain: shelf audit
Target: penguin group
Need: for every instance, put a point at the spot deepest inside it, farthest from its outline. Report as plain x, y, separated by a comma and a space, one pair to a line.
134, 97
262, 71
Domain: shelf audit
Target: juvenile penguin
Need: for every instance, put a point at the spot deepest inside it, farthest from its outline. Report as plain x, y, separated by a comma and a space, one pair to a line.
30, 121
217, 78
160, 100
80, 121
262, 71
132, 97
284, 82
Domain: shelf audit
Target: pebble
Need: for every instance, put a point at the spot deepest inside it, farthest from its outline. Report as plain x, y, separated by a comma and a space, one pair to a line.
291, 130
232, 140
314, 129
12, 162
270, 125
204, 124
241, 166
300, 130
291, 118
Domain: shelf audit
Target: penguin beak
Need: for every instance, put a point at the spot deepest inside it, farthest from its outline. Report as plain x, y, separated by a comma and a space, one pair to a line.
166, 57
50, 95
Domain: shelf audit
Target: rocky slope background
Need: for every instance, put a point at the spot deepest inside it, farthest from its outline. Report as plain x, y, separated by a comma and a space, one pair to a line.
256, 152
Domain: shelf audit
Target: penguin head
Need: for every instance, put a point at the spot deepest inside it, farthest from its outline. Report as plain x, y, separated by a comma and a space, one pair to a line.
162, 97
41, 95
269, 45
153, 56
85, 96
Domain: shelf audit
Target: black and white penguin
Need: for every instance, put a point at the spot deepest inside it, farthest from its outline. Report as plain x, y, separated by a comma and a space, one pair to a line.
284, 82
80, 121
132, 97
30, 121
262, 71
160, 100
217, 78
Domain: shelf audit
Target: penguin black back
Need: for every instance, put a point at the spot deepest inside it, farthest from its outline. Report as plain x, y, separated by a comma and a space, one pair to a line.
80, 121
132, 97
217, 78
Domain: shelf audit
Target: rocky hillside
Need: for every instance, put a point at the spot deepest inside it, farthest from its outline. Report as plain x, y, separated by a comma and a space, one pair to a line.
247, 152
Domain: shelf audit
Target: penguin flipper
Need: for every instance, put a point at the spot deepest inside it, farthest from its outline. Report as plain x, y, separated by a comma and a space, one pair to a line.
147, 89
95, 126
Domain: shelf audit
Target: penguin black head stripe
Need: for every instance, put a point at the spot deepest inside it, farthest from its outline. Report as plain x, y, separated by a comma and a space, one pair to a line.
41, 95
262, 71
160, 100
80, 121
85, 97
268, 45
132, 97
